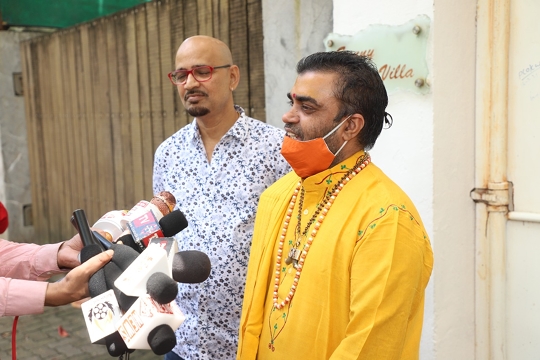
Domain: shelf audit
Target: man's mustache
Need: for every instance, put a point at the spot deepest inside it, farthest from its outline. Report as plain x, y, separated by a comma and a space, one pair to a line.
194, 92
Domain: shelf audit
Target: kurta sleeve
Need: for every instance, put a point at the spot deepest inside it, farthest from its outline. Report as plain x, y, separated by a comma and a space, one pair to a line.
390, 268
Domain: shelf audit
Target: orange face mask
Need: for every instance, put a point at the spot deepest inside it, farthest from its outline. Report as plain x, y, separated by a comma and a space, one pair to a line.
310, 157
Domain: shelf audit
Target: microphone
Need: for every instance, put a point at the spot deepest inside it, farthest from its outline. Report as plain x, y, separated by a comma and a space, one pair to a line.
101, 286
81, 224
114, 223
162, 339
133, 280
138, 325
191, 267
161, 204
145, 228
91, 245
161, 288
105, 244
101, 316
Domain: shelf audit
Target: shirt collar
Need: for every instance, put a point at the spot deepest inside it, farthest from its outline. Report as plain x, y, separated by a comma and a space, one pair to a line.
329, 177
238, 130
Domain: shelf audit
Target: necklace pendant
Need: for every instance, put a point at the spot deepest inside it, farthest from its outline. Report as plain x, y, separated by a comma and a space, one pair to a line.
290, 257
294, 255
288, 260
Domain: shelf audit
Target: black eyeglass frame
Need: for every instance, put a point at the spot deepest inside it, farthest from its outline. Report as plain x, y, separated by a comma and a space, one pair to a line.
187, 72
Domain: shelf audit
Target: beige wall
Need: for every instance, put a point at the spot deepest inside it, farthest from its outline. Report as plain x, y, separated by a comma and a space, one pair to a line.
453, 177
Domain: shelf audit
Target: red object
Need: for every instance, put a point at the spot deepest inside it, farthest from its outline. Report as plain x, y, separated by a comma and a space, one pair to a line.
4, 221
62, 332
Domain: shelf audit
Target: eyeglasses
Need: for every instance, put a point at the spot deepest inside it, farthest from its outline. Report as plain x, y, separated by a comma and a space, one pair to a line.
199, 73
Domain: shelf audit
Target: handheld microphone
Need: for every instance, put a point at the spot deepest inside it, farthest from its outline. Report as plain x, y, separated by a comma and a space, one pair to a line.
191, 267
81, 224
161, 288
133, 280
138, 325
144, 229
114, 222
105, 244
101, 316
91, 245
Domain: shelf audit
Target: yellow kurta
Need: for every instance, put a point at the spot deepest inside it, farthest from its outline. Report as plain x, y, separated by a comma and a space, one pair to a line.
361, 290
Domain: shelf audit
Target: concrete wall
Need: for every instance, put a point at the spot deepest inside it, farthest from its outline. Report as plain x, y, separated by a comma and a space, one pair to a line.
14, 167
292, 30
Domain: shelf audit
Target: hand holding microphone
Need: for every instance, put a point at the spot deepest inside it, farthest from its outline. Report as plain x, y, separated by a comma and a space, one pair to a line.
139, 287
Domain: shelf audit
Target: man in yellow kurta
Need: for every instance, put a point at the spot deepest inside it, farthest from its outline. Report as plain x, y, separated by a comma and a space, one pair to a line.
340, 258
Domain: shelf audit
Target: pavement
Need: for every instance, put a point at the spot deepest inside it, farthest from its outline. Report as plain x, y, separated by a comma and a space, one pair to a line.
59, 333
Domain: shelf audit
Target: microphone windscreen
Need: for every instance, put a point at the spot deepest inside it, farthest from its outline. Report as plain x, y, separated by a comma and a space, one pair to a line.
115, 344
171, 224
190, 267
89, 251
112, 272
161, 288
97, 284
123, 255
162, 339
127, 240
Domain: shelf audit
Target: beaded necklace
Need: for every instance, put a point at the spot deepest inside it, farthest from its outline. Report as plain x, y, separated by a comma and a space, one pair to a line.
295, 255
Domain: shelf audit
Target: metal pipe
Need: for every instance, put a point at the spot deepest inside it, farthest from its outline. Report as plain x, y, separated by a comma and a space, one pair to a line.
523, 216
492, 100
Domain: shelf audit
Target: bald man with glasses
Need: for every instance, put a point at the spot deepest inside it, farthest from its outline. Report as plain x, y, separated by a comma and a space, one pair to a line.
217, 166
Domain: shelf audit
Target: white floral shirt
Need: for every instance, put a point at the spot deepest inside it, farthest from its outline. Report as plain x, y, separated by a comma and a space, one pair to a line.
219, 200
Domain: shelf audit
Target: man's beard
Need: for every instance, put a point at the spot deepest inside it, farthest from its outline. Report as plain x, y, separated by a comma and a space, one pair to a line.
198, 111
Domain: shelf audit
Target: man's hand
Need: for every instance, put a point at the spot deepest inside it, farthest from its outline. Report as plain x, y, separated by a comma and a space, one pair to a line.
68, 254
74, 286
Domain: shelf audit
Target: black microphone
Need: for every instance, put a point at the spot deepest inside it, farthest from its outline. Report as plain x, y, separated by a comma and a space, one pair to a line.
191, 267
105, 244
81, 224
161, 339
93, 245
161, 288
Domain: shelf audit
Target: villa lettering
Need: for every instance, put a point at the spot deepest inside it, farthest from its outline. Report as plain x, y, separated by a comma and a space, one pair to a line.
386, 71
399, 72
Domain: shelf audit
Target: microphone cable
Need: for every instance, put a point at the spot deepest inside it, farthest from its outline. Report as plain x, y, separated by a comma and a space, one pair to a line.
13, 339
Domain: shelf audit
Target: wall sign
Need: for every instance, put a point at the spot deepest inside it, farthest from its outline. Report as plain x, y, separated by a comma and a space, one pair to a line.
399, 52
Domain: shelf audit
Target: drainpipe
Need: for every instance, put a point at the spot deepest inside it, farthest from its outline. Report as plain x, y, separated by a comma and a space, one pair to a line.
493, 191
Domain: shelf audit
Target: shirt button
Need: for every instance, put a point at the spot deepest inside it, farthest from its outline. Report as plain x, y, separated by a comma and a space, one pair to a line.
306, 211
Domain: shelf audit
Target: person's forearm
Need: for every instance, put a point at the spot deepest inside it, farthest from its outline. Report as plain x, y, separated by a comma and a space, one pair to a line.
28, 261
21, 297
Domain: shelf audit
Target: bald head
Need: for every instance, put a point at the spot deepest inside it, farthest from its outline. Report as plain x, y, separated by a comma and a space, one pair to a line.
213, 50
209, 98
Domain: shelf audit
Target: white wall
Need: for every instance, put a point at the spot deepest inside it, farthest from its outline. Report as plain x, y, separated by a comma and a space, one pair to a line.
454, 75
